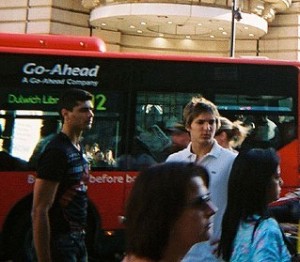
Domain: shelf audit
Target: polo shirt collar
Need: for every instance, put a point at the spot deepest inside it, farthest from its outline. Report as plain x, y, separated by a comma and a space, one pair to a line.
214, 152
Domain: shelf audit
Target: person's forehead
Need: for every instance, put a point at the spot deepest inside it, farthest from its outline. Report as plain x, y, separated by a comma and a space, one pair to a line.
198, 184
205, 115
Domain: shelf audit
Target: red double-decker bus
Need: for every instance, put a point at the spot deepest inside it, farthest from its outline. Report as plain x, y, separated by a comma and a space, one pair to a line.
137, 98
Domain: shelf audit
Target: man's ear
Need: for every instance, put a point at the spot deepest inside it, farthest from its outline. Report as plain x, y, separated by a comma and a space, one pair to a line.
64, 113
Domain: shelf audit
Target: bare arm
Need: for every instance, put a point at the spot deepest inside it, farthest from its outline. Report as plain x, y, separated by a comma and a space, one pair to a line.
43, 198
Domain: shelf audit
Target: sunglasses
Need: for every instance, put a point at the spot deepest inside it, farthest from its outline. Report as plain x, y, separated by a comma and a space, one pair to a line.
200, 200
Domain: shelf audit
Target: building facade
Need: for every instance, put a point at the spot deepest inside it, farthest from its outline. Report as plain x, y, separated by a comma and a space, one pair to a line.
268, 28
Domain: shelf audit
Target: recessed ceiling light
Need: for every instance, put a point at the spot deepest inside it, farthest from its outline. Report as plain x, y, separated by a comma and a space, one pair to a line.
224, 33
251, 35
143, 23
212, 36
246, 27
199, 24
170, 22
132, 26
188, 37
104, 24
221, 28
140, 31
161, 35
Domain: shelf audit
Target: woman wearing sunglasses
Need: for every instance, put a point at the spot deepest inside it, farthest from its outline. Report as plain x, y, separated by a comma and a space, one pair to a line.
168, 211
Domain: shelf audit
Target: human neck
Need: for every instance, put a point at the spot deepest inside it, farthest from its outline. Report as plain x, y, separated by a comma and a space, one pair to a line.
201, 149
174, 252
73, 135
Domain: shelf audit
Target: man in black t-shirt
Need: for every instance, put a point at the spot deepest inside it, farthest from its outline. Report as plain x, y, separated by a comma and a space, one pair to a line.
60, 193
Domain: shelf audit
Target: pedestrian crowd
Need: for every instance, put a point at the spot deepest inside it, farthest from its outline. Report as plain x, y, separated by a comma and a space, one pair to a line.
207, 202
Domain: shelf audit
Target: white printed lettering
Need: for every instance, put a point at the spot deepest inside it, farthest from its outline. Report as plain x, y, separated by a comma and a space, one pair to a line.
129, 179
104, 178
62, 70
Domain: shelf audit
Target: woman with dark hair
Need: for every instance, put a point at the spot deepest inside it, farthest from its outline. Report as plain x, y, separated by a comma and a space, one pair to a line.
168, 211
248, 233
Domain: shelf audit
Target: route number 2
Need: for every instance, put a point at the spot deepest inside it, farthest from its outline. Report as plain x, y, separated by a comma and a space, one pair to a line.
100, 101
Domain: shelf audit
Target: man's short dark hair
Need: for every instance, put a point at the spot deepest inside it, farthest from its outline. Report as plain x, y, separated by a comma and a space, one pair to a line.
71, 97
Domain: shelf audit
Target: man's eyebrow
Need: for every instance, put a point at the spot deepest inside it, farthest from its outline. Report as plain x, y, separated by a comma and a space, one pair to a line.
206, 120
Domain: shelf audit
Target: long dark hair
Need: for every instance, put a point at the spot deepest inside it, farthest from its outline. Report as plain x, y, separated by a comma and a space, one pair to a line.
247, 192
157, 199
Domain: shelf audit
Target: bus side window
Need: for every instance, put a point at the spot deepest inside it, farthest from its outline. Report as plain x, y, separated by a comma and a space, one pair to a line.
156, 114
288, 131
7, 161
266, 132
139, 158
101, 143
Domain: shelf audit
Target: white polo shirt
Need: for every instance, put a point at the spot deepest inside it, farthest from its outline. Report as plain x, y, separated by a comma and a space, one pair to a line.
218, 163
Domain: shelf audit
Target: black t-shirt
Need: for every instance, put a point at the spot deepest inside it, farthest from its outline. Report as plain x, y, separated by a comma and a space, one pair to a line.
63, 163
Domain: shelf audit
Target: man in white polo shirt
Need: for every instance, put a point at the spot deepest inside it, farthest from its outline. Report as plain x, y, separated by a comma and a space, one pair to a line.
201, 119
